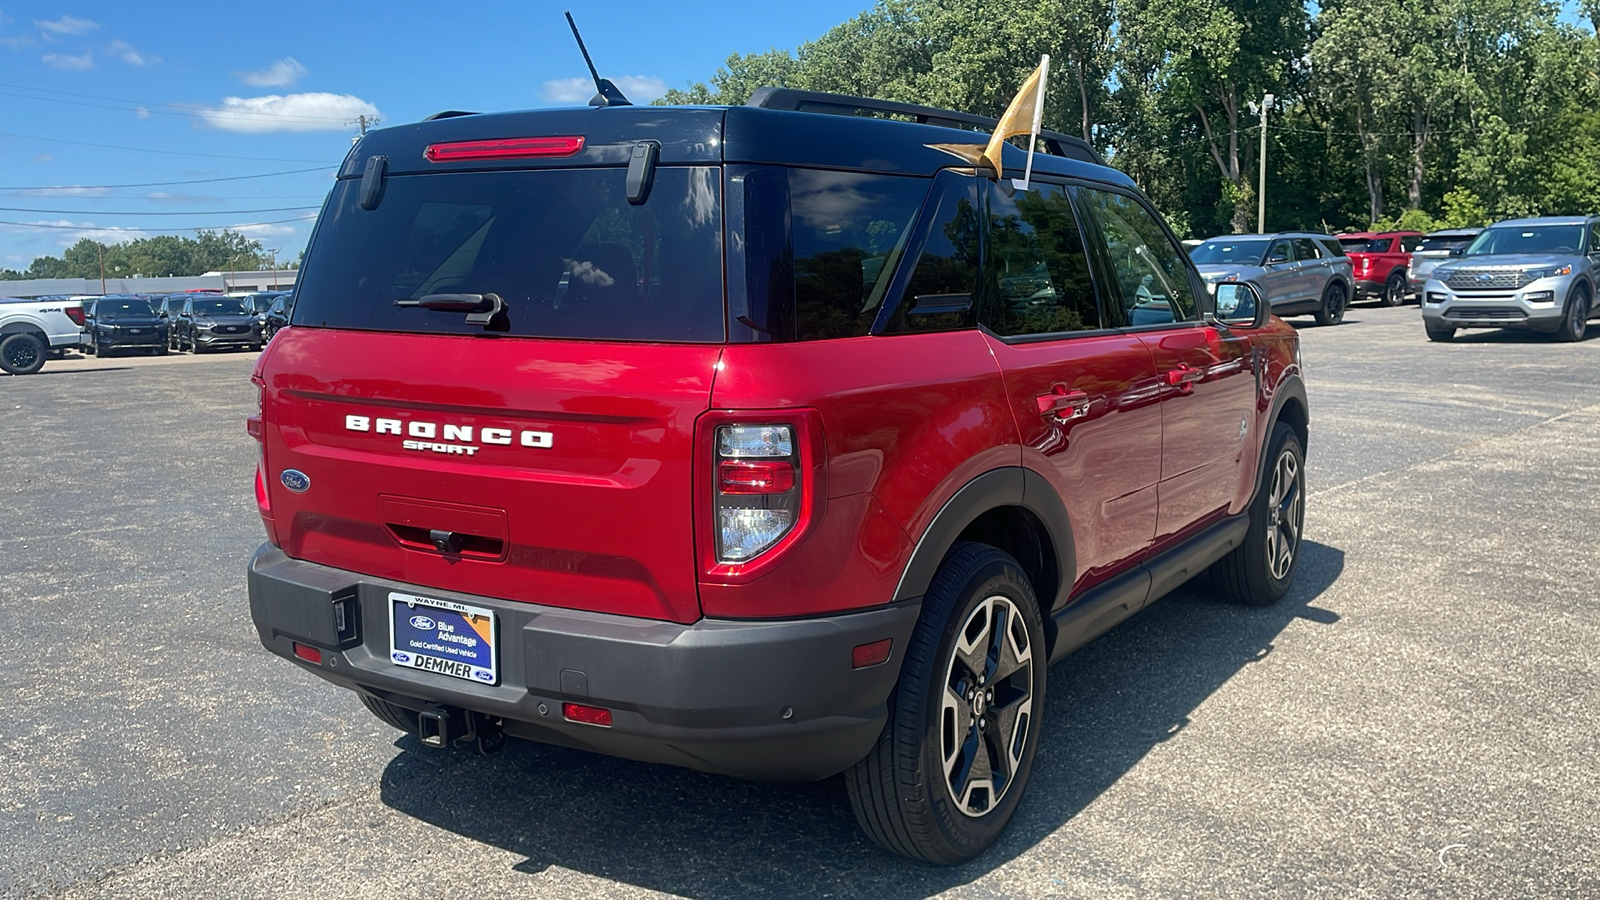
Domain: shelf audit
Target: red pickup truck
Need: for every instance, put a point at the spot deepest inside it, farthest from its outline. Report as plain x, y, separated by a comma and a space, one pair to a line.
1380, 260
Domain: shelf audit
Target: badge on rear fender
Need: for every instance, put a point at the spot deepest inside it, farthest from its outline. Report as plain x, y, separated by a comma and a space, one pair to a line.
295, 480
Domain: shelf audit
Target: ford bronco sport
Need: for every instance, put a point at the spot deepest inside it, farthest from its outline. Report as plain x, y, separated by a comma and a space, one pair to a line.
757, 440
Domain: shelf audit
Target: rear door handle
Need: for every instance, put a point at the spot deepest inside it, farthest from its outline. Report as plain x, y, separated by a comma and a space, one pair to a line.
1063, 405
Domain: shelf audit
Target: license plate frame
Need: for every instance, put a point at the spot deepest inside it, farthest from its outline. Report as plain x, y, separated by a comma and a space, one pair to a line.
443, 637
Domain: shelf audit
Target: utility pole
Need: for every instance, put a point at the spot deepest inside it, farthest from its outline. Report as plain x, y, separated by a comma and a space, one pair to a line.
1261, 192
100, 250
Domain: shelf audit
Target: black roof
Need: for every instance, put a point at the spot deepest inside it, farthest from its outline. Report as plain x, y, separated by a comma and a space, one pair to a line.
754, 135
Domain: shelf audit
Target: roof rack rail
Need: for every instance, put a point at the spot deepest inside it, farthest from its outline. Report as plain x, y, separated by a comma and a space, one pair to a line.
795, 100
448, 114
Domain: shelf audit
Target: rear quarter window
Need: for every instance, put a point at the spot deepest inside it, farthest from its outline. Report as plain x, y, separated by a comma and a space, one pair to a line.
563, 248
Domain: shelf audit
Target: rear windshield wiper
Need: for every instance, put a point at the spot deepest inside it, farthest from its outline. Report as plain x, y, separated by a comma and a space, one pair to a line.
481, 308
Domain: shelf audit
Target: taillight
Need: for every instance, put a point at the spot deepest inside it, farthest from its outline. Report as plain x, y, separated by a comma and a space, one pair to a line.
508, 148
757, 497
75, 313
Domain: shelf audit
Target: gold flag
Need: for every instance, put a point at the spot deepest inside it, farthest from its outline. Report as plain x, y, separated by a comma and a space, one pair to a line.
1021, 117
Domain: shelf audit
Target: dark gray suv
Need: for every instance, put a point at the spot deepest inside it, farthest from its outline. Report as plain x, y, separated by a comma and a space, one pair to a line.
1298, 272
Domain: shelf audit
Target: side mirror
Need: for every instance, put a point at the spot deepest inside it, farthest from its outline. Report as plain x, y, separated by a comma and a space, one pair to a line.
1239, 305
1459, 251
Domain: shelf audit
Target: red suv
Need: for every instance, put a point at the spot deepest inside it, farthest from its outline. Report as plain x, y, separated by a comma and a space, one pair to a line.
756, 440
1380, 261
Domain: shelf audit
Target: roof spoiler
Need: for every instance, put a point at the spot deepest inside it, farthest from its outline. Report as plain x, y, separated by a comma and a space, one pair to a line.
795, 100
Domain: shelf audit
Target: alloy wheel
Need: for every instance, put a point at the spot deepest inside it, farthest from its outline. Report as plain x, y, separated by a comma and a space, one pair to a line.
21, 354
986, 719
1286, 509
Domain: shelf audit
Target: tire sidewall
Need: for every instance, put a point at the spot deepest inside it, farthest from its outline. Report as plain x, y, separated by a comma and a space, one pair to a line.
1575, 330
1333, 304
1391, 295
12, 340
967, 836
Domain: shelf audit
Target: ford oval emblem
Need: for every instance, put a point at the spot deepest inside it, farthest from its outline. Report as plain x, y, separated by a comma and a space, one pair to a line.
422, 623
295, 480
1485, 277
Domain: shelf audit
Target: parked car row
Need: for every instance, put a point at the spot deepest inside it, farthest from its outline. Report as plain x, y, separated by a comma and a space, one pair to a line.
1532, 274
160, 324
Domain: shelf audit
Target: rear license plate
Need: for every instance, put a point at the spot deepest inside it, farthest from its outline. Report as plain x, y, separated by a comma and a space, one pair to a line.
444, 637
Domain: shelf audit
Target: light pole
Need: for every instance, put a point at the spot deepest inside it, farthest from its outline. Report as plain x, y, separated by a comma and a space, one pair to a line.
1261, 191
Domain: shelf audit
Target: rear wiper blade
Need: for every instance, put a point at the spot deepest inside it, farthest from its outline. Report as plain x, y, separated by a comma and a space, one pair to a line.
482, 308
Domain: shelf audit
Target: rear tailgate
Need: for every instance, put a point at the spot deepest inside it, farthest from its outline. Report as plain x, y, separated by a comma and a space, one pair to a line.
561, 468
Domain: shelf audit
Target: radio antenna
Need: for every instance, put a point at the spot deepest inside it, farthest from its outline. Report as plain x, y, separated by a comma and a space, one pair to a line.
606, 93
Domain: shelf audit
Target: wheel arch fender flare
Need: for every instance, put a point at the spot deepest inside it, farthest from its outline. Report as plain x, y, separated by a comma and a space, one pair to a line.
1011, 486
1290, 396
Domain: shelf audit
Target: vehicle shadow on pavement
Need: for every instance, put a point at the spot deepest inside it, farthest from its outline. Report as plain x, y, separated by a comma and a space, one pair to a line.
696, 835
48, 370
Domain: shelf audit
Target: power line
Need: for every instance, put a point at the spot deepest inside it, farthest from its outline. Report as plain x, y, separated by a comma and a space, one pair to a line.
34, 137
39, 226
109, 212
166, 109
108, 187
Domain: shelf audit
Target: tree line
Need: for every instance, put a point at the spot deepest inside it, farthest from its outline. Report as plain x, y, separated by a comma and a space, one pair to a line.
1409, 113
163, 255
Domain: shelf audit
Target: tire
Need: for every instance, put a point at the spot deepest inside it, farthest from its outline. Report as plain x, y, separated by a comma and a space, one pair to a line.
397, 716
1334, 301
1576, 320
1440, 333
255, 348
102, 352
22, 354
1259, 571
901, 794
162, 350
1394, 290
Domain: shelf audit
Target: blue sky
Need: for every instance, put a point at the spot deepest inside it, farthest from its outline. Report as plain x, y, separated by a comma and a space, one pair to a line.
224, 90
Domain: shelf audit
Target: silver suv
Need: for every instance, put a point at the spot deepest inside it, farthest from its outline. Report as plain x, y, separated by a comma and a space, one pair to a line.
1536, 274
1298, 272
1435, 249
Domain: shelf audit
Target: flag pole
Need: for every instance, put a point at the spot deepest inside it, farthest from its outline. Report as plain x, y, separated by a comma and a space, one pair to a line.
1038, 114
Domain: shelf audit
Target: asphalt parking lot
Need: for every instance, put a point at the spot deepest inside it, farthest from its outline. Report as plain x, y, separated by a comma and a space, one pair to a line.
1418, 718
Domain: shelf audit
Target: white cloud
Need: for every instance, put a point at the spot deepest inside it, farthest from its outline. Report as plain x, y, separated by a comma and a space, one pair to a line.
291, 112
68, 191
171, 197
141, 113
640, 89
43, 157
68, 63
67, 25
125, 52
264, 232
283, 73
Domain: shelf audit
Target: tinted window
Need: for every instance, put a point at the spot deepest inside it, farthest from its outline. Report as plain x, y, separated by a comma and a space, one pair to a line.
228, 306
1040, 275
946, 271
1151, 277
1222, 252
1306, 248
563, 248
1410, 242
1332, 246
1445, 242
1365, 245
1280, 252
847, 230
113, 309
1528, 239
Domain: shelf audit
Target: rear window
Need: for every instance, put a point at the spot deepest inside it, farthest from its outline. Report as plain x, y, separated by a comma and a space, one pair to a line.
1444, 243
1365, 245
563, 248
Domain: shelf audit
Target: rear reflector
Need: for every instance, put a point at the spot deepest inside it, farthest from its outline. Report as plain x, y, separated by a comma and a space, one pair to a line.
872, 654
768, 477
309, 654
588, 715
509, 148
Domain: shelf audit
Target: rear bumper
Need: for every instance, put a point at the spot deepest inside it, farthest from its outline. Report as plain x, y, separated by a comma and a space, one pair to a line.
708, 696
